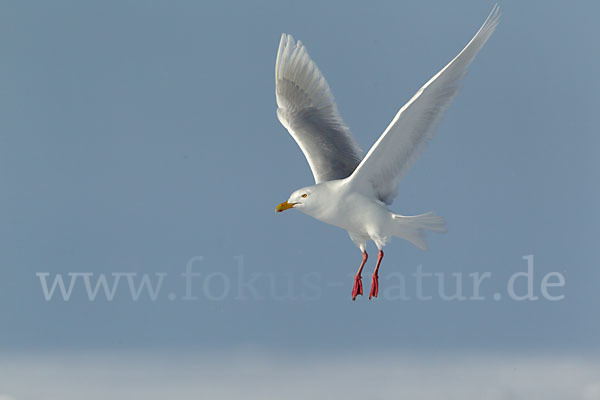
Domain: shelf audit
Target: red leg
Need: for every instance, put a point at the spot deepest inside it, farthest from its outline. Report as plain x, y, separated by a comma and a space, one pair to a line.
375, 280
358, 289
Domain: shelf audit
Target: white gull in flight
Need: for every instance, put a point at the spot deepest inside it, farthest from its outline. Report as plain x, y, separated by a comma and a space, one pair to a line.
351, 191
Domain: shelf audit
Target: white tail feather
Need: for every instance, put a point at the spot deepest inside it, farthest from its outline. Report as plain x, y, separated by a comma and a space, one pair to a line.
412, 228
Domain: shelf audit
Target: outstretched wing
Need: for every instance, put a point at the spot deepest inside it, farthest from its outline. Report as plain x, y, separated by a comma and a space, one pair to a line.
307, 110
404, 139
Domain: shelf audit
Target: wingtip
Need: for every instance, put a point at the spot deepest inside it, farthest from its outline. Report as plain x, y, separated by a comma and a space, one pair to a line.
494, 16
490, 23
285, 40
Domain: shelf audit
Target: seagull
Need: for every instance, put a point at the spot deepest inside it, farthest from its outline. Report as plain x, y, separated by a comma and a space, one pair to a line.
352, 192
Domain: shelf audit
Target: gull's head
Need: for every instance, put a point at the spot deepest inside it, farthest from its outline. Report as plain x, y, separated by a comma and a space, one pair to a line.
303, 199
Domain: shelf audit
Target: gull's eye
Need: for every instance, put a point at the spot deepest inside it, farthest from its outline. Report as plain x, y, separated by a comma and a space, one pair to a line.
304, 196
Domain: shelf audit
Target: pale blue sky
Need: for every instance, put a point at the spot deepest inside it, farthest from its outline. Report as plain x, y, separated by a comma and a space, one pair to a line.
136, 135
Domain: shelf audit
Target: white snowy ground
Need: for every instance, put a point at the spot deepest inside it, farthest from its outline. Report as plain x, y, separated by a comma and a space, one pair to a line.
250, 375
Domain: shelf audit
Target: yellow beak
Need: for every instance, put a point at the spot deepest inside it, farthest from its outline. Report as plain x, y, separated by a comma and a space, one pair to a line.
284, 206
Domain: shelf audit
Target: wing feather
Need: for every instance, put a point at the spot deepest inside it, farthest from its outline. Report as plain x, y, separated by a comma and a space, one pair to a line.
306, 108
405, 138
